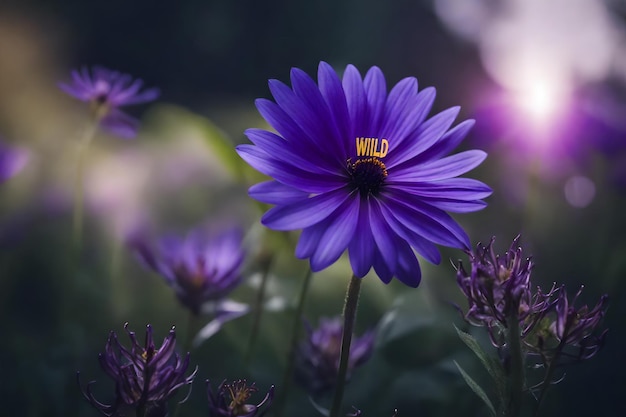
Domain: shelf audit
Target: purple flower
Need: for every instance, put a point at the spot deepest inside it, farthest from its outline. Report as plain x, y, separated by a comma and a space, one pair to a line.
201, 268
361, 169
498, 288
317, 360
575, 328
12, 160
145, 377
106, 91
230, 400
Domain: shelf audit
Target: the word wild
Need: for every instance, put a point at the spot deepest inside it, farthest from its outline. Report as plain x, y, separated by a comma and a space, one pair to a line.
370, 147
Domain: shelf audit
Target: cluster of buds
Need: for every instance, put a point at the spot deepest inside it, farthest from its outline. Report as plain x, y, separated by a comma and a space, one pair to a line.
317, 361
498, 290
145, 377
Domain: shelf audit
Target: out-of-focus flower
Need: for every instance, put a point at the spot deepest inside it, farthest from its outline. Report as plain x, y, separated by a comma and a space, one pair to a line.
12, 160
145, 377
230, 400
498, 289
361, 169
202, 269
575, 328
317, 360
106, 91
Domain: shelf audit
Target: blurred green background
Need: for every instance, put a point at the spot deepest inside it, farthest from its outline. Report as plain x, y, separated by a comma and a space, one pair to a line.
211, 59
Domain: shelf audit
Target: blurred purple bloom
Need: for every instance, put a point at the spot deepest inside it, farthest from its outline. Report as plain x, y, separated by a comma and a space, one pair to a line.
498, 288
12, 160
200, 268
317, 360
230, 400
107, 91
361, 169
145, 377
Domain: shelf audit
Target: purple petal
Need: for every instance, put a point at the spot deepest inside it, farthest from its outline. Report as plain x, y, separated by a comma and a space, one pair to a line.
383, 236
408, 268
335, 239
427, 221
289, 175
332, 91
273, 192
448, 142
424, 137
361, 248
304, 213
357, 101
442, 169
376, 92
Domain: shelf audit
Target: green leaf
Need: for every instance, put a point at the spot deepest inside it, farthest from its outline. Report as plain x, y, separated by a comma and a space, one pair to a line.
493, 366
477, 389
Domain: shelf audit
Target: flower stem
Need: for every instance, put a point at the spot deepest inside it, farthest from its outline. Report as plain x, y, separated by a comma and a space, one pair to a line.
257, 311
83, 145
349, 319
516, 381
295, 332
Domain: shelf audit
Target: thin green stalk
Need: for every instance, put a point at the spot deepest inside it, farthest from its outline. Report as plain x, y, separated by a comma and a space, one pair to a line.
349, 319
516, 380
257, 310
83, 145
295, 332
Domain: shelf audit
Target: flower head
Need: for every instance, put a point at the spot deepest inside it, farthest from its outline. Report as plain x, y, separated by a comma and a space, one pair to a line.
230, 400
12, 160
145, 377
498, 288
200, 268
575, 328
318, 355
361, 169
106, 91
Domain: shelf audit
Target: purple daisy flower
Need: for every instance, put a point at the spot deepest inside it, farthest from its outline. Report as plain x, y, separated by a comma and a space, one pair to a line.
361, 169
12, 160
107, 91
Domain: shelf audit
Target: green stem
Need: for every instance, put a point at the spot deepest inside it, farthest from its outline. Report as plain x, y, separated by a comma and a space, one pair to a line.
349, 319
295, 332
516, 381
257, 310
83, 145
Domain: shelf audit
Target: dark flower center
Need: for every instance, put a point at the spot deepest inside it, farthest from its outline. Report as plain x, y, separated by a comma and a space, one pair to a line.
367, 175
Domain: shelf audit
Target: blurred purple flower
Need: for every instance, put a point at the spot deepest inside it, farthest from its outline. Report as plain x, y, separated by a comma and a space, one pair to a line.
361, 169
145, 377
230, 400
202, 269
106, 91
498, 288
12, 160
317, 357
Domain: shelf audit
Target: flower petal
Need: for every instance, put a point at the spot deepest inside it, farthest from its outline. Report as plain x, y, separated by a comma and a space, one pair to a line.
273, 192
441, 169
337, 235
361, 248
304, 213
